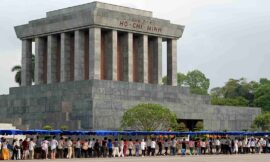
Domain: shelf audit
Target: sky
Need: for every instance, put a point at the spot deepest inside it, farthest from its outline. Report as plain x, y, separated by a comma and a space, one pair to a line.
223, 38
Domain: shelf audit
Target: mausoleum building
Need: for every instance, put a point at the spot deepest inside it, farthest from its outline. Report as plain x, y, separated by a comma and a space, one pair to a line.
94, 61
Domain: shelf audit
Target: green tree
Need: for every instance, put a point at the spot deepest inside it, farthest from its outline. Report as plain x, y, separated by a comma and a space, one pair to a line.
197, 82
238, 101
199, 126
64, 127
181, 127
236, 92
149, 117
262, 95
180, 79
47, 127
262, 121
18, 68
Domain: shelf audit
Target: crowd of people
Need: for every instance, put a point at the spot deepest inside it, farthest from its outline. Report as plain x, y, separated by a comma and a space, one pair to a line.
66, 147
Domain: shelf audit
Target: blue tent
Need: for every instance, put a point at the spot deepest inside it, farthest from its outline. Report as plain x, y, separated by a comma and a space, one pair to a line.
127, 133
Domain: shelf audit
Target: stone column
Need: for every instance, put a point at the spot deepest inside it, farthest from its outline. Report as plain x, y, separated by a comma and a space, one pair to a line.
40, 60
65, 57
94, 53
157, 60
143, 59
26, 71
128, 57
51, 63
79, 55
111, 55
172, 62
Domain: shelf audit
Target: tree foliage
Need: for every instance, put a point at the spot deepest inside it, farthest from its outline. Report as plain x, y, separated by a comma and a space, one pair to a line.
239, 92
18, 69
195, 80
149, 117
47, 127
180, 79
262, 95
181, 127
262, 121
199, 126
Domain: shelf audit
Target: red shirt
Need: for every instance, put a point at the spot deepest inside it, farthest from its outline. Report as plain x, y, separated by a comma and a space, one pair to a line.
25, 145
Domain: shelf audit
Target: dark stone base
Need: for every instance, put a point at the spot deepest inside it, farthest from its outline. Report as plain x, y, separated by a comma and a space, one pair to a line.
99, 104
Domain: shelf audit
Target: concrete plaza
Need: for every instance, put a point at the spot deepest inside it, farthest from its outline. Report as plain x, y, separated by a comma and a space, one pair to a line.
213, 158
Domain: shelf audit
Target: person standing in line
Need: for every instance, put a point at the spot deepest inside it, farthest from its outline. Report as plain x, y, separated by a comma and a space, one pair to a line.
264, 144
70, 148
236, 148
240, 146
159, 143
125, 147
211, 144
252, 145
137, 148
91, 147
65, 146
203, 146
173, 146
191, 146
97, 148
32, 149
184, 147
45, 147
166, 146
15, 150
60, 148
85, 148
130, 147
121, 148
38, 148
25, 145
268, 146
217, 144
143, 147
4, 149
105, 147
53, 145
148, 143
110, 146
199, 146
153, 147
116, 148
78, 148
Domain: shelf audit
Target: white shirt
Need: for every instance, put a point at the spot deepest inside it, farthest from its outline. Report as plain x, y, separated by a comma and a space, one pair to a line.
31, 145
78, 144
54, 144
153, 144
217, 142
92, 144
143, 144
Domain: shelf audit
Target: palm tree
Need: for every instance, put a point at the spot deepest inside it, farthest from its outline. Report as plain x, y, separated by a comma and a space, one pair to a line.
18, 69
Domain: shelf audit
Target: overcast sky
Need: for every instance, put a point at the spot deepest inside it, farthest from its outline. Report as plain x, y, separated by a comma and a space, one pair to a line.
222, 38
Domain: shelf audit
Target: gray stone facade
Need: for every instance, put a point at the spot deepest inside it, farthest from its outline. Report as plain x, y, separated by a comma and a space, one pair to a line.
100, 104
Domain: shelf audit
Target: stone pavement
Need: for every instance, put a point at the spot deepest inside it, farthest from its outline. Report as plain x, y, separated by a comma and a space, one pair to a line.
213, 158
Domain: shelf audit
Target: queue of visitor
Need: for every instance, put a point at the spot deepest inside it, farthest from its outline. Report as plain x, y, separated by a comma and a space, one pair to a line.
67, 147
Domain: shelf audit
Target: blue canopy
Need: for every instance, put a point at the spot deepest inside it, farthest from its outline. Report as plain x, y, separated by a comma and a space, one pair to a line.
127, 133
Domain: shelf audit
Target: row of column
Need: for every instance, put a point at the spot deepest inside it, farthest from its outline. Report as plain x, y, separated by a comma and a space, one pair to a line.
98, 54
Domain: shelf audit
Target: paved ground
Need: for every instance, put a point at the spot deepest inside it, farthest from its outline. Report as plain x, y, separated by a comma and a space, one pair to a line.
214, 158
